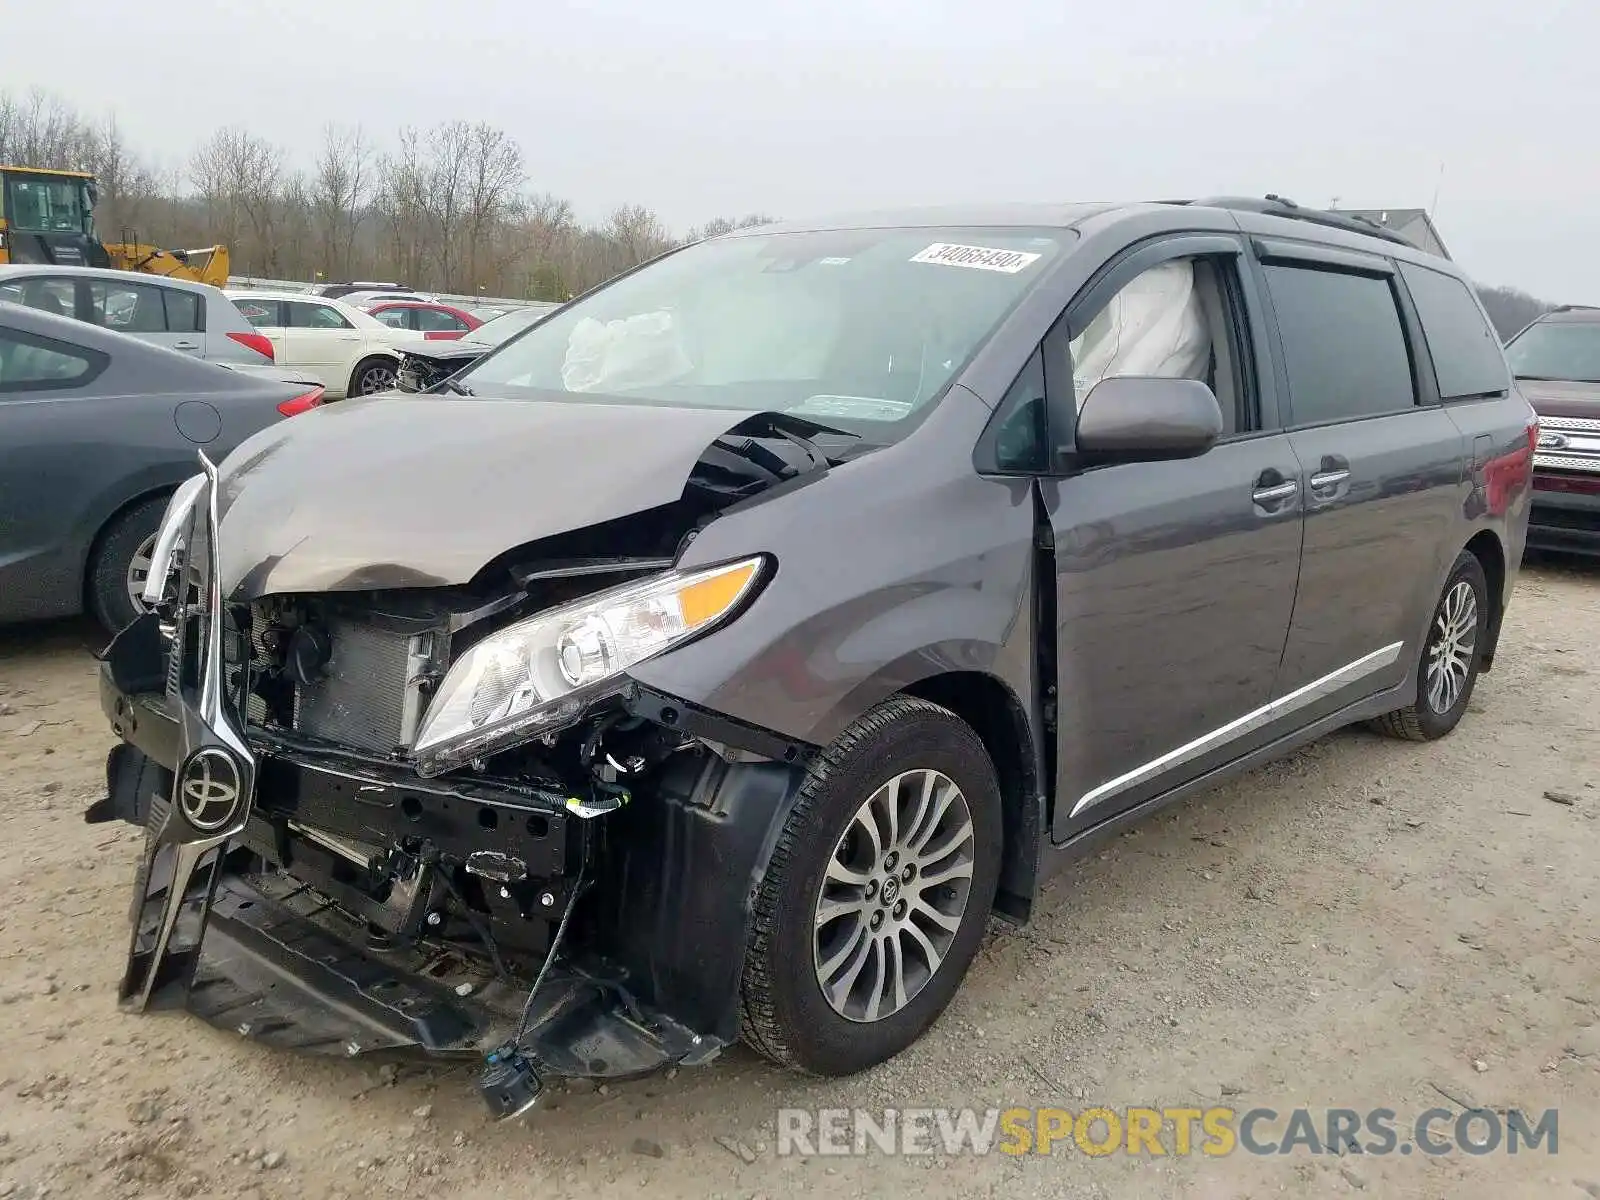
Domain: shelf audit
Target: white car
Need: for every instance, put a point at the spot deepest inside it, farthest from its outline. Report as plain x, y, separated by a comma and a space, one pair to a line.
352, 352
362, 299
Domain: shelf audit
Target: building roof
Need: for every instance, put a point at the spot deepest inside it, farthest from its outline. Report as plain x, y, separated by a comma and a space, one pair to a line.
1413, 224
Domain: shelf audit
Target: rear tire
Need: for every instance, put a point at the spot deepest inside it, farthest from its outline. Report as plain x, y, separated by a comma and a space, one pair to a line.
376, 374
884, 922
1451, 657
114, 572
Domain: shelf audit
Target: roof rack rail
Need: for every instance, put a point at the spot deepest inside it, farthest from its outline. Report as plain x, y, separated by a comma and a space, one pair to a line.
1278, 206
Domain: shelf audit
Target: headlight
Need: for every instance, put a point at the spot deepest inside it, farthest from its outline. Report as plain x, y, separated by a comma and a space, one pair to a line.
539, 674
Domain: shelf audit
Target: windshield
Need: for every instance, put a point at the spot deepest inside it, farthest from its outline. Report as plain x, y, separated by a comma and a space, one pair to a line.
41, 204
507, 325
855, 328
1557, 350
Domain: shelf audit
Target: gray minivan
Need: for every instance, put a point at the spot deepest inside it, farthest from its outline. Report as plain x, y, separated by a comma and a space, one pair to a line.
712, 659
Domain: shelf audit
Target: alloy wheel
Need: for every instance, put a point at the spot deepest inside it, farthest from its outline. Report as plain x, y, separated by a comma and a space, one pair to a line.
894, 894
139, 571
376, 378
1452, 646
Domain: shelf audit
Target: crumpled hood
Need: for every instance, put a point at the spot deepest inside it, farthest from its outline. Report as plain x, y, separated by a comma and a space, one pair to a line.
1562, 398
422, 491
444, 349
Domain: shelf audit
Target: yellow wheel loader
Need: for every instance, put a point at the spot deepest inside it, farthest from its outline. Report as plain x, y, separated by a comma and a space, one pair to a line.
48, 217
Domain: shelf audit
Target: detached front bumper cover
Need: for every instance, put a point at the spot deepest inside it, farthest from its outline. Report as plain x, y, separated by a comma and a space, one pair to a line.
213, 780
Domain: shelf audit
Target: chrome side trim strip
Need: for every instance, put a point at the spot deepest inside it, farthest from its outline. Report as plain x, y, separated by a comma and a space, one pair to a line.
1316, 690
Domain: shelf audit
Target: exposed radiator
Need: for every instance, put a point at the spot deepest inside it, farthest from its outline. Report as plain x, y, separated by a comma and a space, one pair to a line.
367, 697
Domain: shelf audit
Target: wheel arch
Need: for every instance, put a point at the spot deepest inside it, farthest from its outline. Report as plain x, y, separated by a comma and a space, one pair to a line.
1486, 547
366, 359
97, 539
1000, 719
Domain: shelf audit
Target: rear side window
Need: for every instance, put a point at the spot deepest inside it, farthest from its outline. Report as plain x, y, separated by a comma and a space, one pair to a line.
395, 317
436, 320
1343, 344
315, 316
35, 364
264, 313
1467, 359
46, 295
183, 311
128, 307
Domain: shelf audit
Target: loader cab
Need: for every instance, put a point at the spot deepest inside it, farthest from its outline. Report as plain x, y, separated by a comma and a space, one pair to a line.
48, 217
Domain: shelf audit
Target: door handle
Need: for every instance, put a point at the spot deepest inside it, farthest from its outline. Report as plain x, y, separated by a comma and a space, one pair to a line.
1272, 493
1328, 479
185, 346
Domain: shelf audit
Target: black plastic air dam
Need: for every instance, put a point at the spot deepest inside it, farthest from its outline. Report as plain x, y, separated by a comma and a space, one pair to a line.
272, 973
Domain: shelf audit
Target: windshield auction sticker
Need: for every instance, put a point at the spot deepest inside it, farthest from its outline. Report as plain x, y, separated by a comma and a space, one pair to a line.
981, 258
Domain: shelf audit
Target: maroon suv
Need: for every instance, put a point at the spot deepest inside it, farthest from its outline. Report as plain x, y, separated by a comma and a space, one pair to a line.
1557, 361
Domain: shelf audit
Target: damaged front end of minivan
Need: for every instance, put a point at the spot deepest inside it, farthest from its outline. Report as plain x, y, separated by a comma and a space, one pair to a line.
399, 786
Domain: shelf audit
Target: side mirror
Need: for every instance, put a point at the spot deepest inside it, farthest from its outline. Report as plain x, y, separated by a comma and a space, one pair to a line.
1138, 418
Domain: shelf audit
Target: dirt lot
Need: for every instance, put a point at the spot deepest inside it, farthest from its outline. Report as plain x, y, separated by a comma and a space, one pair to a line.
1368, 924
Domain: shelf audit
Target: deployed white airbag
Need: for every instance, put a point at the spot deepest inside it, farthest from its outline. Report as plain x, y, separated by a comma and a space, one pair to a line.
1154, 326
643, 350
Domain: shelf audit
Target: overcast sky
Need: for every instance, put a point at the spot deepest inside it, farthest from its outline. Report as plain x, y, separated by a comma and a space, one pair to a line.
699, 108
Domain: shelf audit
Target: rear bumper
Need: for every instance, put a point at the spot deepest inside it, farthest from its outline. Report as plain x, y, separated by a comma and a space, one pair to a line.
1564, 521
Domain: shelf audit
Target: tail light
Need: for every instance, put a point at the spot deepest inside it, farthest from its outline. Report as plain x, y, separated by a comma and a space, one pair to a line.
299, 404
259, 342
441, 335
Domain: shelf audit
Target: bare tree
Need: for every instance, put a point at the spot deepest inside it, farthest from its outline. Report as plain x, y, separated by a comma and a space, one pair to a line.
339, 192
240, 177
41, 130
718, 226
637, 233
402, 209
1510, 309
495, 175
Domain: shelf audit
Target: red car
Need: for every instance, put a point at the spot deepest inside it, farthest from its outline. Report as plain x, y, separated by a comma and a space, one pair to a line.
434, 321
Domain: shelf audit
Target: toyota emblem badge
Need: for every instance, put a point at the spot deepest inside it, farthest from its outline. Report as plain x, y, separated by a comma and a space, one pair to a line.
209, 792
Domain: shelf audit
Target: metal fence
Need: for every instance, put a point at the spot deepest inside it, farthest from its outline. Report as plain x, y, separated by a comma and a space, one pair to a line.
460, 301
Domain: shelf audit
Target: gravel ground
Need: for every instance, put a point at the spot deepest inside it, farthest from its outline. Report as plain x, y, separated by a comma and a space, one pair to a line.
1366, 924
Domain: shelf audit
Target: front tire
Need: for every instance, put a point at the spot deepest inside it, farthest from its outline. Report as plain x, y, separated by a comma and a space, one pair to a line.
1451, 657
877, 893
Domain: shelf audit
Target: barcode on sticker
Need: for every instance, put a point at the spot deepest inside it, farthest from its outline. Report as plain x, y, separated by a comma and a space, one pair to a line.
982, 258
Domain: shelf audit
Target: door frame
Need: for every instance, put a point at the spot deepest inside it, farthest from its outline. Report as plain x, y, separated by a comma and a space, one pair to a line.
1252, 350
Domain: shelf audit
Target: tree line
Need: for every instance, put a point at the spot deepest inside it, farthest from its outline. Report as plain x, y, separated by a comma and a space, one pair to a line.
450, 208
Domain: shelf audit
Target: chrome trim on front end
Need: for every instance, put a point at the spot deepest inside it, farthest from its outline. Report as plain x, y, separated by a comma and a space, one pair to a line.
1258, 718
179, 509
1570, 424
213, 783
1567, 462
